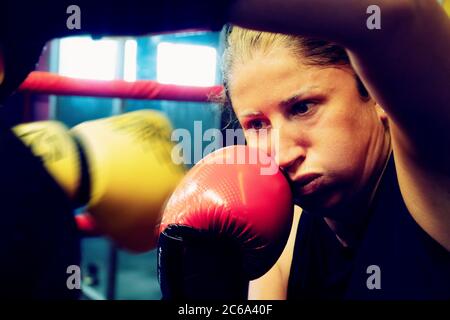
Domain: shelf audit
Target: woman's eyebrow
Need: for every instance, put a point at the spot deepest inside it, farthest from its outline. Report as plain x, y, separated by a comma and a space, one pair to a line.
246, 114
284, 103
296, 96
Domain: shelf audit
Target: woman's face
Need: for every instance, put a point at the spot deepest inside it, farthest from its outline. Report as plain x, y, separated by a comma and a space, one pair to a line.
328, 140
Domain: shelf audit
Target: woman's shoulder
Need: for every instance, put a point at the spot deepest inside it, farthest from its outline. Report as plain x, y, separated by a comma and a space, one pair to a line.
425, 192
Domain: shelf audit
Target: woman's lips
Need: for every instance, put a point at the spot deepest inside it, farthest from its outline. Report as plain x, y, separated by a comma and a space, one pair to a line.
308, 184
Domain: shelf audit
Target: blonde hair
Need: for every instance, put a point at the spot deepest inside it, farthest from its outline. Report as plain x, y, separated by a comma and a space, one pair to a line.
241, 44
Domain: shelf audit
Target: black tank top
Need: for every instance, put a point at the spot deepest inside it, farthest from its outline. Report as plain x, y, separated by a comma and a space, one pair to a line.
406, 261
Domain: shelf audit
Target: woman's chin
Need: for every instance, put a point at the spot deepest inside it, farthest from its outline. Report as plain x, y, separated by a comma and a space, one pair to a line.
322, 202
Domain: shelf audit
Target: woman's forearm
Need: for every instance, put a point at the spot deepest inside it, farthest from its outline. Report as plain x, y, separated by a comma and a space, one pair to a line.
343, 21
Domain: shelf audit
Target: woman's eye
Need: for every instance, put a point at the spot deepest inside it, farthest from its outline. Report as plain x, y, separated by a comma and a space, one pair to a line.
256, 124
301, 107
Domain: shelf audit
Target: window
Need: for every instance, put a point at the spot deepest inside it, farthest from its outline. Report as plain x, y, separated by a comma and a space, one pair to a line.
183, 64
82, 57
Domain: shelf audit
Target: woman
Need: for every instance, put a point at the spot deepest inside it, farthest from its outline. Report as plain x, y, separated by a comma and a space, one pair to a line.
369, 166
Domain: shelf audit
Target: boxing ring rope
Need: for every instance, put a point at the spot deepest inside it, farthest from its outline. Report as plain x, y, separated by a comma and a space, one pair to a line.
50, 83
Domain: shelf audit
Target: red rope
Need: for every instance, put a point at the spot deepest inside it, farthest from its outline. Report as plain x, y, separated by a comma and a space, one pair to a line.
86, 225
49, 83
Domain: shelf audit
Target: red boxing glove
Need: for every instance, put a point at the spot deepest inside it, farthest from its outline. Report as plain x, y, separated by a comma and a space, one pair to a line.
226, 224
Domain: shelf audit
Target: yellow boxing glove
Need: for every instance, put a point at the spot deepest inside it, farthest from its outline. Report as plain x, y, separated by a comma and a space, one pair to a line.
130, 169
52, 142
131, 174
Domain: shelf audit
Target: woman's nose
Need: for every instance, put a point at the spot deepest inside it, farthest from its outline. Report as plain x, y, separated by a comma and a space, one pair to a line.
289, 152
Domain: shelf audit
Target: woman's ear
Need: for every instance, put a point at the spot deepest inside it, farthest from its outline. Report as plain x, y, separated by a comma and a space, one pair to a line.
382, 115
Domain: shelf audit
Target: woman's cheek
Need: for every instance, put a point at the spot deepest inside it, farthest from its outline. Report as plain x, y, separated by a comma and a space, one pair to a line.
263, 139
